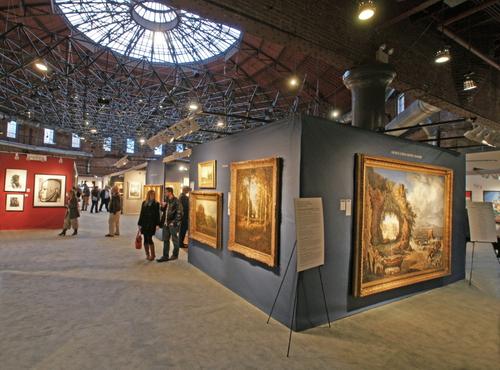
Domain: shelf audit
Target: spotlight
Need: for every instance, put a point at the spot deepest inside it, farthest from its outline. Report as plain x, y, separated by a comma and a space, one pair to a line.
41, 65
16, 157
443, 55
487, 143
366, 9
469, 83
220, 123
142, 140
193, 106
60, 160
104, 101
293, 81
86, 122
93, 131
182, 168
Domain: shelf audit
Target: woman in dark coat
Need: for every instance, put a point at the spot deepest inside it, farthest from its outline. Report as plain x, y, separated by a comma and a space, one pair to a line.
149, 221
72, 214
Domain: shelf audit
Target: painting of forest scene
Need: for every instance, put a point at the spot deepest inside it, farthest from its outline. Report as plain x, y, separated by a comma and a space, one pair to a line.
254, 193
404, 224
205, 222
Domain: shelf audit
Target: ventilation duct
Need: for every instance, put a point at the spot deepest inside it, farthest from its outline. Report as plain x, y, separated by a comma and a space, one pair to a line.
416, 113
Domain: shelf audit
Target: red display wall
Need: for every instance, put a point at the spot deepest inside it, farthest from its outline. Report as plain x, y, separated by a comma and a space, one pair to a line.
31, 217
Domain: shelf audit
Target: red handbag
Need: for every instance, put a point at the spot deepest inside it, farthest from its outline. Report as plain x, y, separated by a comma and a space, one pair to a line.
138, 240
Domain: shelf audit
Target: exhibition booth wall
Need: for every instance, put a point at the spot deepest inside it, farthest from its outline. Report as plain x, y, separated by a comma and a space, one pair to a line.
318, 159
42, 204
133, 187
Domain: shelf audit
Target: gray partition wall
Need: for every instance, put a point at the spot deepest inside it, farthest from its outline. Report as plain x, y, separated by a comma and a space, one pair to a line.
318, 161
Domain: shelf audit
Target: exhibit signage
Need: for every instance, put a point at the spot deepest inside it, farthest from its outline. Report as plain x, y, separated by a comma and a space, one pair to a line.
310, 233
481, 222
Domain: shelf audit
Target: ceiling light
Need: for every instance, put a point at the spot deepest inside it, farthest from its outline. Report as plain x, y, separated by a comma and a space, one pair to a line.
366, 9
293, 81
469, 83
486, 143
443, 55
86, 122
220, 123
142, 140
334, 113
41, 65
93, 130
193, 106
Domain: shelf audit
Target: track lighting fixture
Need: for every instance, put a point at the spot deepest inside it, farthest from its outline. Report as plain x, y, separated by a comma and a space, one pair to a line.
41, 65
193, 106
334, 113
366, 9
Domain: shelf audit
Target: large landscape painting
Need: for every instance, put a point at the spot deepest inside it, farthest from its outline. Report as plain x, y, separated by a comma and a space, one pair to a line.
205, 224
254, 204
403, 224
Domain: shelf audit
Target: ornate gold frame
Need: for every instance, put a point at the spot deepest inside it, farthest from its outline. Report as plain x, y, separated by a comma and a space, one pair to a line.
364, 161
268, 259
197, 235
213, 164
158, 188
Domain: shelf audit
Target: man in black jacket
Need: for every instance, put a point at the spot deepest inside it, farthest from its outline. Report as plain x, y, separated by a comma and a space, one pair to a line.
170, 219
184, 199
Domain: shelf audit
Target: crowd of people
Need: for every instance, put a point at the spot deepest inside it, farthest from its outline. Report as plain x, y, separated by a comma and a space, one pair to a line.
170, 217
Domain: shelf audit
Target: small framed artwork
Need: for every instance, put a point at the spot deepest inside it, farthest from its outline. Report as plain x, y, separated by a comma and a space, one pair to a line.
158, 189
207, 174
14, 203
119, 184
15, 180
49, 190
205, 224
134, 190
468, 195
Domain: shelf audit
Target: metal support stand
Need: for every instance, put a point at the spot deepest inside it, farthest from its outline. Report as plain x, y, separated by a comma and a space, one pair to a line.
296, 298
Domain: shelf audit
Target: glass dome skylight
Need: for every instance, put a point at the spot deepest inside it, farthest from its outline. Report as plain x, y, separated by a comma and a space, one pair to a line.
149, 29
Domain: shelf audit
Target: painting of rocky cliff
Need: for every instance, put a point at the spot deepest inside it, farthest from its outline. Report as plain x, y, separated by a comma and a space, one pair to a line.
403, 233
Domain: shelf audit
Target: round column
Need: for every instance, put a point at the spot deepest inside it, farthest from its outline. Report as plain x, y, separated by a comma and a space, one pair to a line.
368, 84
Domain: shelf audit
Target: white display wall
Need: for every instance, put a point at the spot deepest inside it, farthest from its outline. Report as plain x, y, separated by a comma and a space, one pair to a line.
477, 184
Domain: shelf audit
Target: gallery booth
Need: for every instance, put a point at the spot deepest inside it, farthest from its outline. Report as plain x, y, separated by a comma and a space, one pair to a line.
374, 252
33, 188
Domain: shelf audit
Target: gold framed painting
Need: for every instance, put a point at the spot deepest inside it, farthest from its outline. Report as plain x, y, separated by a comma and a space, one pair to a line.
403, 230
207, 174
158, 192
205, 218
253, 226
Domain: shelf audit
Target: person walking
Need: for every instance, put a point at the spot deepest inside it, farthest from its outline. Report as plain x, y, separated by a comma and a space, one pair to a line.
72, 214
104, 195
184, 199
95, 199
86, 196
115, 209
170, 220
149, 221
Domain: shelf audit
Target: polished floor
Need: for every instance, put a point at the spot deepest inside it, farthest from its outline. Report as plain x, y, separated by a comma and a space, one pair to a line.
90, 302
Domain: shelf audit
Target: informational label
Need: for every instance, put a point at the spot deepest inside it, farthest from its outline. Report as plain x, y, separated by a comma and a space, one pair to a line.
348, 207
342, 204
310, 230
36, 157
404, 154
481, 222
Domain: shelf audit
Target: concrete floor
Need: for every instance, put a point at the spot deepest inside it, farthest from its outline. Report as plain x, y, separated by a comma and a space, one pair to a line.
94, 303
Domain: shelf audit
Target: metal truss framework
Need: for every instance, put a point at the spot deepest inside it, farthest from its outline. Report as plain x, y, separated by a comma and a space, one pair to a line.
144, 97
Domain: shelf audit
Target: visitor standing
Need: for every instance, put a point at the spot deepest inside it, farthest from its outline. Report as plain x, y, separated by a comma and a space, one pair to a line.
149, 221
95, 199
170, 220
104, 198
184, 199
115, 208
86, 196
72, 214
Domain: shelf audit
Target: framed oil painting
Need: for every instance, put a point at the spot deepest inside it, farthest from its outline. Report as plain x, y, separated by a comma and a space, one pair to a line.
49, 190
207, 174
14, 203
494, 198
177, 186
205, 218
119, 184
403, 231
15, 180
158, 192
253, 225
134, 190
